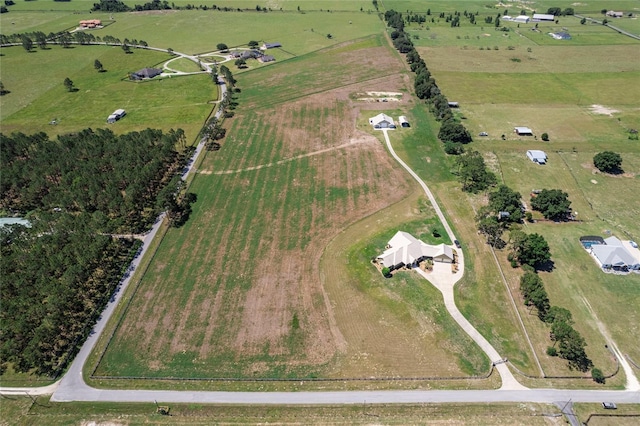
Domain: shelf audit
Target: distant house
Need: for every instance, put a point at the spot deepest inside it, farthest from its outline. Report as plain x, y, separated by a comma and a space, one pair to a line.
614, 255
522, 19
406, 250
506, 18
91, 23
562, 35
523, 131
613, 14
537, 156
543, 17
266, 58
403, 121
116, 115
146, 73
382, 121
271, 45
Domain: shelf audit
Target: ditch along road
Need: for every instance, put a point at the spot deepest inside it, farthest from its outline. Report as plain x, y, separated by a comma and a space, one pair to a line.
72, 387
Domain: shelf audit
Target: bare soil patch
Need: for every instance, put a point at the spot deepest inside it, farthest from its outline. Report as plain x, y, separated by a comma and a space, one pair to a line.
602, 110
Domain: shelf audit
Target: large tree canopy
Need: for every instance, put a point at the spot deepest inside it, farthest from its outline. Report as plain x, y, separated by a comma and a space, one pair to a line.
532, 250
473, 173
552, 203
452, 131
608, 162
505, 199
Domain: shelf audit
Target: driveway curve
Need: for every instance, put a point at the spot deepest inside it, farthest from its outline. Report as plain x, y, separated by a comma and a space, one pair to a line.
446, 286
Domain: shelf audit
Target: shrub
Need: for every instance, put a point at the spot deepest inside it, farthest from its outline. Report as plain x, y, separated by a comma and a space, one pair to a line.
386, 272
545, 137
551, 351
597, 376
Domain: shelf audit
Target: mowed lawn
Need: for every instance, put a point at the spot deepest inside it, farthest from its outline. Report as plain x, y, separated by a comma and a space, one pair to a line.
237, 291
36, 98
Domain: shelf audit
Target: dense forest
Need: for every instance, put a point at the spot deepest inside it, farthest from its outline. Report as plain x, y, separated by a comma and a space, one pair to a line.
115, 179
75, 191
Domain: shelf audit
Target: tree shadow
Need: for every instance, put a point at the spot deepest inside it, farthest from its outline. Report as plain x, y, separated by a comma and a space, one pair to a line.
615, 172
102, 70
547, 266
4, 92
74, 89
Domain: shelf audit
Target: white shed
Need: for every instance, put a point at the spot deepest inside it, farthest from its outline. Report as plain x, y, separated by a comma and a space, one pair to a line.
537, 156
403, 121
522, 19
543, 17
523, 131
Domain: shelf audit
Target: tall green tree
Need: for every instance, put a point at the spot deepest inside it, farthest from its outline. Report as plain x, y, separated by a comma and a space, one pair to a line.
552, 203
473, 173
504, 199
68, 84
532, 251
27, 43
608, 162
98, 66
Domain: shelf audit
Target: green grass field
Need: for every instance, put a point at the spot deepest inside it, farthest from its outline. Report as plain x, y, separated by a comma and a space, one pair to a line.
38, 98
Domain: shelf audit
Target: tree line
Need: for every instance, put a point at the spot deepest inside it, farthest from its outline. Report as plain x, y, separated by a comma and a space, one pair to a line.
503, 212
452, 133
29, 40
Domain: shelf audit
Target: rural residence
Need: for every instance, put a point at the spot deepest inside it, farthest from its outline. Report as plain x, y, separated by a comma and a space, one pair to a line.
266, 58
613, 14
146, 73
537, 156
382, 121
562, 35
406, 250
523, 131
91, 23
612, 254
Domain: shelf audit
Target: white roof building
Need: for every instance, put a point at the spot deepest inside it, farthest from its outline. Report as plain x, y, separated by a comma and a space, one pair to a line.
543, 17
522, 19
405, 249
537, 156
523, 131
613, 254
381, 121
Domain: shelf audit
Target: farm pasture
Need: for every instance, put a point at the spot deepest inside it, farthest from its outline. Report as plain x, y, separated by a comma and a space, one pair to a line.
250, 301
36, 97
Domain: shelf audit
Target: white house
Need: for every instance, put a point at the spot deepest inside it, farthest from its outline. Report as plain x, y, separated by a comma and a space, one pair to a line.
614, 255
522, 19
543, 17
382, 121
523, 131
405, 249
537, 156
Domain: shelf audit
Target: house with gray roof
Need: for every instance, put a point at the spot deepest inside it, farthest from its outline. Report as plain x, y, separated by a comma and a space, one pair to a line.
145, 73
406, 250
615, 255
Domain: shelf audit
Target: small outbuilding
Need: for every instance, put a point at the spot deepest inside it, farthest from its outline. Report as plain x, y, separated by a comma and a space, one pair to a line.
614, 14
271, 45
537, 156
543, 17
382, 121
266, 58
403, 121
454, 105
523, 131
522, 19
561, 35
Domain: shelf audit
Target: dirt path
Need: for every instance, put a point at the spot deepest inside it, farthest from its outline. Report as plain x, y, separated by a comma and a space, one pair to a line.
286, 160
